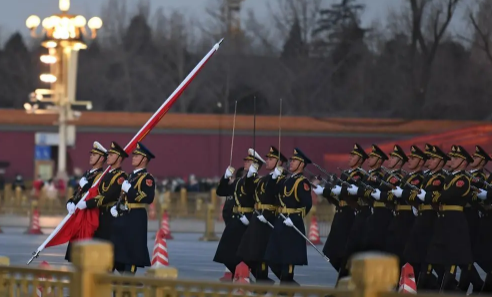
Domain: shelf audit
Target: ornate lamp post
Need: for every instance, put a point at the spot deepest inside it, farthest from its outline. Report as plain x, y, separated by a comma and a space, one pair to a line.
63, 35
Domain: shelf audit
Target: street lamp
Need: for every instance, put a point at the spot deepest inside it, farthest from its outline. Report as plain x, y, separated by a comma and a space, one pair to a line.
63, 35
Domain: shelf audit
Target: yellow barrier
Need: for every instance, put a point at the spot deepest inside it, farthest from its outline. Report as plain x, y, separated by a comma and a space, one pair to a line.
373, 275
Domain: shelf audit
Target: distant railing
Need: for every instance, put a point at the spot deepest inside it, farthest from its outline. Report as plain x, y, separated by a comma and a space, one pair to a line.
372, 275
178, 205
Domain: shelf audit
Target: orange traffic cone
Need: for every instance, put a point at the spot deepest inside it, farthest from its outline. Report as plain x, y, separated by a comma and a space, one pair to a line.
152, 211
407, 280
314, 232
160, 256
165, 226
39, 289
241, 276
35, 228
227, 276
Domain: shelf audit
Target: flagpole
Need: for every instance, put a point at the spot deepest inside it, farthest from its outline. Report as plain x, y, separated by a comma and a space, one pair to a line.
151, 123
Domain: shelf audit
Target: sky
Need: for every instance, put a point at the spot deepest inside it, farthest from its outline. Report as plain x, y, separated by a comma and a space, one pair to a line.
14, 12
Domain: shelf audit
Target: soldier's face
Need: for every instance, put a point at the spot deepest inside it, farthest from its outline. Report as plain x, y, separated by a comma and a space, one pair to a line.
413, 162
270, 163
476, 162
93, 159
353, 160
372, 161
455, 162
294, 165
247, 163
393, 161
112, 158
137, 160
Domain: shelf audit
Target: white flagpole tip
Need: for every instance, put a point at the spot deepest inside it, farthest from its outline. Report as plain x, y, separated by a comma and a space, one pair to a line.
217, 45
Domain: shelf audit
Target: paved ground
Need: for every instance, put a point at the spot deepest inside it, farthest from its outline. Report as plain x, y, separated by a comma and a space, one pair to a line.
192, 258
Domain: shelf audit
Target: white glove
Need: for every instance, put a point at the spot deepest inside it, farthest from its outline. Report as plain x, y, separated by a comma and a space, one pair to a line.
71, 207
229, 172
244, 220
252, 170
336, 190
376, 194
82, 205
262, 219
397, 192
421, 195
482, 195
318, 190
277, 172
126, 186
113, 211
288, 222
415, 211
82, 182
352, 190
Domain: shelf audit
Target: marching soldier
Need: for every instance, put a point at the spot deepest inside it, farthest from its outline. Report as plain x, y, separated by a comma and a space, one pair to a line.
229, 200
286, 247
242, 189
344, 217
450, 247
483, 246
383, 204
129, 235
108, 192
472, 213
97, 158
423, 229
404, 216
255, 239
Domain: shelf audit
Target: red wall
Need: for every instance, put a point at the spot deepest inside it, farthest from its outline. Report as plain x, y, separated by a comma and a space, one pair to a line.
178, 154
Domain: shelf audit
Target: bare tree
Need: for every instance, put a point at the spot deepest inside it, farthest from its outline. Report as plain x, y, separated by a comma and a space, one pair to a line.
435, 16
482, 25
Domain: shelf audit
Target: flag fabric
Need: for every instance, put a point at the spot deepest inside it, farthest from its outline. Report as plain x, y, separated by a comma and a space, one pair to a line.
83, 223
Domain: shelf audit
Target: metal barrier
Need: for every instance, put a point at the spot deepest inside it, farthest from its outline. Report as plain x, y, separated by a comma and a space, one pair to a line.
373, 275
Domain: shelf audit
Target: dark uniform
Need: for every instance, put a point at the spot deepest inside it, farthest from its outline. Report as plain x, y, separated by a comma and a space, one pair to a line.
90, 176
404, 218
130, 226
451, 245
227, 210
422, 232
108, 193
482, 253
344, 217
473, 216
255, 240
286, 247
242, 189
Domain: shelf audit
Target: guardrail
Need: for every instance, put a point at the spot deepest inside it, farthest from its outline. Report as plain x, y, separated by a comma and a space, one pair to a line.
204, 206
372, 275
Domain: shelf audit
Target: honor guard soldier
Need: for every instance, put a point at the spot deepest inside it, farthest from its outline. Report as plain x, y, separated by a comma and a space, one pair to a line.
370, 182
97, 158
108, 192
229, 200
482, 254
344, 217
129, 235
286, 247
472, 213
423, 229
255, 240
450, 246
384, 202
242, 189
404, 214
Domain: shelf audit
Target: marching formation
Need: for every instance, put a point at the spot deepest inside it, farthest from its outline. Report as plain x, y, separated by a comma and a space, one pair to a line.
431, 218
434, 219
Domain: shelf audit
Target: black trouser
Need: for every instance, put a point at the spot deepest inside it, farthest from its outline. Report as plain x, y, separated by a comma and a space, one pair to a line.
125, 268
336, 263
287, 275
426, 280
471, 277
260, 272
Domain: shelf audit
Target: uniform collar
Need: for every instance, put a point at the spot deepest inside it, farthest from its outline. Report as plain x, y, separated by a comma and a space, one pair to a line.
113, 169
138, 170
95, 169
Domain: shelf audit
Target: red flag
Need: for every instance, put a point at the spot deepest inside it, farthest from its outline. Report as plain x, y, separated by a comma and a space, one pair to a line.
83, 223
